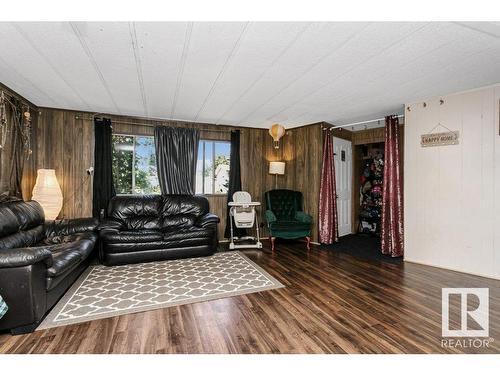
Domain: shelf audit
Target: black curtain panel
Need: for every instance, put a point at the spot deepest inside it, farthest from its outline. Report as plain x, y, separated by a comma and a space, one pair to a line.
176, 154
234, 181
104, 188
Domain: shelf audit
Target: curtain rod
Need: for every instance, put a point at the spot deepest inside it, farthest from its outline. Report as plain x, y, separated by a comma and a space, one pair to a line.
360, 123
158, 124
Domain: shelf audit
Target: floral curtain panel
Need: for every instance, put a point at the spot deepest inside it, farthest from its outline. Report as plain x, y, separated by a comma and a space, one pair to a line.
392, 236
328, 225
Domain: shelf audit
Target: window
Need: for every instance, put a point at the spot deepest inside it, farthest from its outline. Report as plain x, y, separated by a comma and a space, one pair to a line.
134, 165
212, 167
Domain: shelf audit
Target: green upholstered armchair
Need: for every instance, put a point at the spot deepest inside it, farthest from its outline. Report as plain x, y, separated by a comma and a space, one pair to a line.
284, 216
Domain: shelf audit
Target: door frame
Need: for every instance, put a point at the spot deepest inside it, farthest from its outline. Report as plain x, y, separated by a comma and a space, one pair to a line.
351, 224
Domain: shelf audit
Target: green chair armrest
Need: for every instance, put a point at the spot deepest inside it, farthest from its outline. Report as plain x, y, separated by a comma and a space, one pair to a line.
303, 217
270, 217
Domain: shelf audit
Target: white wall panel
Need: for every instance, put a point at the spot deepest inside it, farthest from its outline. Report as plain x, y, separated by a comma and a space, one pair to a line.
451, 192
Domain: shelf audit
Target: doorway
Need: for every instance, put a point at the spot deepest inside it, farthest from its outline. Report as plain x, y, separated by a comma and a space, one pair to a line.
343, 179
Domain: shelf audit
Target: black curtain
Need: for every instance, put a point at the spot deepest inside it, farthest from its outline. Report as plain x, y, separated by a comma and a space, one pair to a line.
104, 188
176, 154
234, 181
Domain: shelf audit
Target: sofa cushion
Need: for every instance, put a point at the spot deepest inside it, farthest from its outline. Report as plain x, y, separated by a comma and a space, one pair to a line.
62, 261
118, 248
25, 238
29, 214
136, 211
145, 235
8, 221
69, 254
178, 221
190, 205
55, 240
183, 234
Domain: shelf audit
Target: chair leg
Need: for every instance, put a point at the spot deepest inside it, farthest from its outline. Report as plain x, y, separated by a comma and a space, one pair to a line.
273, 239
308, 242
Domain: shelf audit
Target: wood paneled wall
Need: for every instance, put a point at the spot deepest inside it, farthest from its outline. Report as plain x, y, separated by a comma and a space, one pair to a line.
64, 141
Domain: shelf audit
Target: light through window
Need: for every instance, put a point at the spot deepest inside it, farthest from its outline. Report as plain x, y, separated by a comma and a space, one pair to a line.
212, 167
134, 165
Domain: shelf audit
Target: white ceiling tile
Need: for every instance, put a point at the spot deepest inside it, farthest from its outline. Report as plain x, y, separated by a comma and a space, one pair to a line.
251, 74
210, 47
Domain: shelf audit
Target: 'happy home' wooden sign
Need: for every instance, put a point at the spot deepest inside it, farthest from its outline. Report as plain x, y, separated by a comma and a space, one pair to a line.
439, 139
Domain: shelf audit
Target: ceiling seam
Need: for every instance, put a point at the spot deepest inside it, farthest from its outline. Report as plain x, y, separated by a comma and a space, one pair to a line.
88, 52
230, 57
418, 97
346, 72
443, 68
352, 96
33, 45
467, 26
29, 82
185, 51
305, 72
276, 59
138, 65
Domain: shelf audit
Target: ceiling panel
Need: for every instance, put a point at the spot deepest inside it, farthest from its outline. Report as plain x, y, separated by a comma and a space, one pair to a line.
210, 50
160, 48
249, 74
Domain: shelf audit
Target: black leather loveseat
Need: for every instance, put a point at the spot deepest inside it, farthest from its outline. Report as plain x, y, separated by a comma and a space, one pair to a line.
39, 260
153, 227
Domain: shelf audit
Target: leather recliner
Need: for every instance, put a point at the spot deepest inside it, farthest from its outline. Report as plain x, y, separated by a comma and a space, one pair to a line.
39, 260
144, 228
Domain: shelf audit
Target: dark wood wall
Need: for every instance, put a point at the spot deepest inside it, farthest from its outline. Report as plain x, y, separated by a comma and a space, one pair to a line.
63, 140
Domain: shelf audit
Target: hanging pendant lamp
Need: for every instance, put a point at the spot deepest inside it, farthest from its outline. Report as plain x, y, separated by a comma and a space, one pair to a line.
277, 131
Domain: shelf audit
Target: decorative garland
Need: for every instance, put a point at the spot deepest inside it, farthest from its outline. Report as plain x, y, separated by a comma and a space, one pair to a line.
23, 123
3, 121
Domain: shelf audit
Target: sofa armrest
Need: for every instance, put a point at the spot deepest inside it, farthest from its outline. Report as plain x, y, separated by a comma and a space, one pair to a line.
207, 220
66, 227
303, 217
110, 225
270, 216
25, 256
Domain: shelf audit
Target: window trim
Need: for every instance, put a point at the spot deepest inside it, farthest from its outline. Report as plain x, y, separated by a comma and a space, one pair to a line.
214, 141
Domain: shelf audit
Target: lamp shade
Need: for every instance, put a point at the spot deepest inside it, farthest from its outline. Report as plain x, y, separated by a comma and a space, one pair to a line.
48, 193
277, 167
276, 131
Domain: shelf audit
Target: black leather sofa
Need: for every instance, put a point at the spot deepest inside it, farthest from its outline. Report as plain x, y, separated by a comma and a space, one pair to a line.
39, 260
143, 228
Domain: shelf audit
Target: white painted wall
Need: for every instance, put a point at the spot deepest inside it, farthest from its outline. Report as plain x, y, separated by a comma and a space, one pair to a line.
452, 193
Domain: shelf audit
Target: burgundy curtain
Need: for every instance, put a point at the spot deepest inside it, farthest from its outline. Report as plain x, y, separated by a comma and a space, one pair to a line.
392, 192
328, 227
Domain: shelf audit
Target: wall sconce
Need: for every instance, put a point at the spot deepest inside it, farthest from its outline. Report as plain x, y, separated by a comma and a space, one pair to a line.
277, 131
48, 193
276, 168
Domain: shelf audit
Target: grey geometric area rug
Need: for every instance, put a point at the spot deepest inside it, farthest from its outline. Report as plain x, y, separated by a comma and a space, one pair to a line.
103, 292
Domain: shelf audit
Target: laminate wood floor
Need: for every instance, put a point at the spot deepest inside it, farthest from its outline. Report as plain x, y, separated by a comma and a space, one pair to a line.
331, 303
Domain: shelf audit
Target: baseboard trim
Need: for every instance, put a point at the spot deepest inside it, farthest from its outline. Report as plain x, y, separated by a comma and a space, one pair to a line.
452, 269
